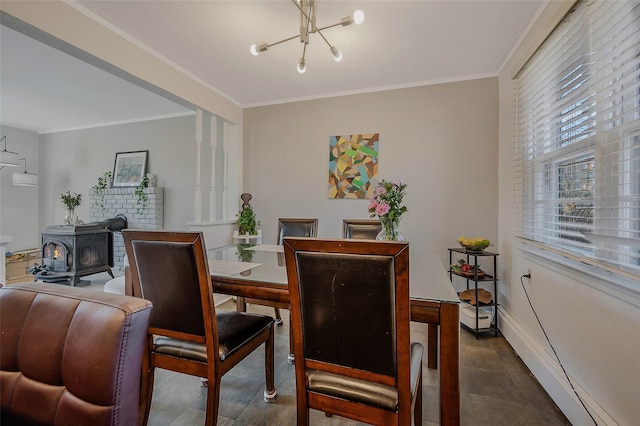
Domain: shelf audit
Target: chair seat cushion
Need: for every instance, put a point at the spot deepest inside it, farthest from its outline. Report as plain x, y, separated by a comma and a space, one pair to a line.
234, 329
363, 391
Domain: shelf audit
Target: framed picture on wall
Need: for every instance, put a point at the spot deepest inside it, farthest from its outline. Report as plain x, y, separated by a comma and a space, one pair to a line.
129, 168
353, 165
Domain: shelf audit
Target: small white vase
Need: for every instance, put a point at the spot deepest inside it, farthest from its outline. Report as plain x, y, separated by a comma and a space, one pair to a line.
70, 217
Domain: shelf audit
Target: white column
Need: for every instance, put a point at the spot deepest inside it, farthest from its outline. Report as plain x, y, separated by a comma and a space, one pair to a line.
225, 194
4, 240
214, 145
197, 208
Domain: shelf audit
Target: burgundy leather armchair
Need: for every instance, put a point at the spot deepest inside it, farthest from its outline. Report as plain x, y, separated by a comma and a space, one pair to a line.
70, 355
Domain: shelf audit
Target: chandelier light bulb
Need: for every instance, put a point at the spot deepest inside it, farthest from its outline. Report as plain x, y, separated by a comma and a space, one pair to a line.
302, 66
358, 17
337, 55
256, 50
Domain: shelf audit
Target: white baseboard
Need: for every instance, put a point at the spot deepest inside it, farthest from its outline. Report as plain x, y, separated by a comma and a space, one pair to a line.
548, 372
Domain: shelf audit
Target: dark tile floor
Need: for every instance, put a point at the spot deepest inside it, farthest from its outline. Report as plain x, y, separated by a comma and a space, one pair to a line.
496, 388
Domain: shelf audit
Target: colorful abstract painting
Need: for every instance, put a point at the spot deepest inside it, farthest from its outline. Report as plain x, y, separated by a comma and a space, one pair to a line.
353, 165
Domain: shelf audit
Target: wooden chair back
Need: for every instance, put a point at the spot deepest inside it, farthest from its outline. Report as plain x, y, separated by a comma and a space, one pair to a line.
170, 270
296, 227
361, 229
350, 318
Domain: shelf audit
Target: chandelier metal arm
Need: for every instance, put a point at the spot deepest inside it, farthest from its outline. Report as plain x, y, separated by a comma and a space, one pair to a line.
282, 41
325, 39
328, 26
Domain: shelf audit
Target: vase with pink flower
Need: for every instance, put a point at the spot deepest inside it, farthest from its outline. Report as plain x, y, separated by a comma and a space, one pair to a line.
386, 203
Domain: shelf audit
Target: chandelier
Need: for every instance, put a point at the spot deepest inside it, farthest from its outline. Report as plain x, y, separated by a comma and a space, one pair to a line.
308, 26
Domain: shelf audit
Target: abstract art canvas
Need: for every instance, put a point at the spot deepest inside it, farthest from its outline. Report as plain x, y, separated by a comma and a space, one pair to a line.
353, 165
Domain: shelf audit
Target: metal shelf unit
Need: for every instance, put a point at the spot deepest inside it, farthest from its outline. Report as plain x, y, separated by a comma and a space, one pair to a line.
471, 257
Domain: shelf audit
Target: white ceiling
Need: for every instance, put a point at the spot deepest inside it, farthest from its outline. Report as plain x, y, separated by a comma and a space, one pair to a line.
45, 90
400, 44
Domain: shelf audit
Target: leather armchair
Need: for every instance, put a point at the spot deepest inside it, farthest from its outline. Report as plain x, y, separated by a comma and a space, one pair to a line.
70, 355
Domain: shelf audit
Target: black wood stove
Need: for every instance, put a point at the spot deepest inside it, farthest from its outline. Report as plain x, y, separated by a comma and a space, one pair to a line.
73, 251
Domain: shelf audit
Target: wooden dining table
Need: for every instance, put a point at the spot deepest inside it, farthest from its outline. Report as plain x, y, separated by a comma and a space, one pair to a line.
258, 273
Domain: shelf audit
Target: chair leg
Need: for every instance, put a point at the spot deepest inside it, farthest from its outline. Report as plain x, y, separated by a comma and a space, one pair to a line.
213, 402
278, 317
291, 358
146, 395
417, 413
302, 416
146, 384
270, 393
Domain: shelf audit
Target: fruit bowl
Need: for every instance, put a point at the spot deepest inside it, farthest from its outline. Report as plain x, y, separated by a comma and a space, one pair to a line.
474, 244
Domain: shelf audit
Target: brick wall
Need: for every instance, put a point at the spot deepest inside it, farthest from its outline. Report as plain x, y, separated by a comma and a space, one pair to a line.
124, 201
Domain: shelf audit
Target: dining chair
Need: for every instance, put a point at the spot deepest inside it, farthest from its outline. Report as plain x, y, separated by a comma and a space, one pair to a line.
349, 304
295, 227
361, 229
288, 227
185, 333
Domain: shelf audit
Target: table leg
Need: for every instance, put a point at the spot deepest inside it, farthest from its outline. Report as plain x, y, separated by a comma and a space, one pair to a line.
432, 346
241, 305
449, 364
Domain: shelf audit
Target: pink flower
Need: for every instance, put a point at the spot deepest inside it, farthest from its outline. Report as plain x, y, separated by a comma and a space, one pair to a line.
372, 205
380, 190
382, 209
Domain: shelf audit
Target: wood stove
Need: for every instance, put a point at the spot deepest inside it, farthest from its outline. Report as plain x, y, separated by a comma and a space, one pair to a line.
73, 251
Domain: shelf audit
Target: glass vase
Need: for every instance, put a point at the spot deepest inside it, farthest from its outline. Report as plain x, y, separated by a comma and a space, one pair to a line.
69, 217
390, 231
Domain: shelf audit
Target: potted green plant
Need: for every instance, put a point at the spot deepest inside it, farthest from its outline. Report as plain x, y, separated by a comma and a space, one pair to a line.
97, 190
247, 224
141, 194
70, 202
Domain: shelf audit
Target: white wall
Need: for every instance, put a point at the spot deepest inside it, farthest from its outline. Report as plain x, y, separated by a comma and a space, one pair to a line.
74, 160
19, 204
441, 140
593, 327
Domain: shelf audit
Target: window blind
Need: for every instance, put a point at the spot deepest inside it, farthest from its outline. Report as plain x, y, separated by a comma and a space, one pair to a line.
577, 150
